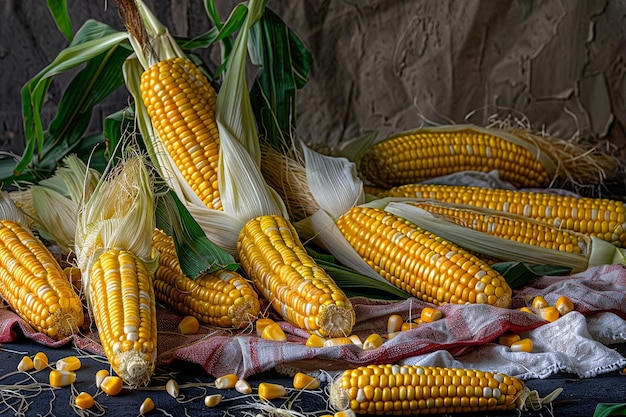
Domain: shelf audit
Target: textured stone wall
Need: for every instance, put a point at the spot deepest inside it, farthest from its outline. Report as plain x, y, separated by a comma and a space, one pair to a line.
389, 65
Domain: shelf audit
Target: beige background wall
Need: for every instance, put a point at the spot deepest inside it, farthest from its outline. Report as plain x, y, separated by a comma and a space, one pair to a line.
389, 65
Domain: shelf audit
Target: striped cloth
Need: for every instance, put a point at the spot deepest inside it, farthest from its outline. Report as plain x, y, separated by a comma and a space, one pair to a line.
578, 342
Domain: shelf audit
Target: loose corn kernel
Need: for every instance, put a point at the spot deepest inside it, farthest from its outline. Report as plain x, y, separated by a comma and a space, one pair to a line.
408, 325
273, 331
430, 314
337, 341
564, 305
549, 313
304, 381
372, 341
69, 363
26, 364
242, 386
146, 406
356, 340
261, 323
100, 375
539, 302
315, 341
111, 385
394, 323
270, 391
60, 379
171, 387
226, 381
526, 310
213, 400
345, 413
509, 338
522, 345
188, 325
84, 401
40, 361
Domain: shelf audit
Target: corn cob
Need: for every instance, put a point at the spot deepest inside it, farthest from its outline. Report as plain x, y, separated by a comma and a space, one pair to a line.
181, 104
603, 218
416, 390
123, 305
420, 262
283, 272
34, 285
519, 229
223, 298
426, 153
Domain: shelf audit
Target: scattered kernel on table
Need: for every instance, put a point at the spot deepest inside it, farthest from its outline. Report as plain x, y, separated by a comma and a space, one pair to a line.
539, 302
112, 385
26, 364
68, 363
243, 387
522, 345
226, 381
305, 381
40, 361
171, 387
213, 400
549, 313
273, 331
271, 391
394, 323
100, 375
509, 338
189, 325
315, 341
59, 379
146, 406
84, 401
372, 341
564, 305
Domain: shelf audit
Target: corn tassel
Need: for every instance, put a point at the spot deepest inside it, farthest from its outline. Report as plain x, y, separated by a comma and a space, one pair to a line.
34, 284
283, 272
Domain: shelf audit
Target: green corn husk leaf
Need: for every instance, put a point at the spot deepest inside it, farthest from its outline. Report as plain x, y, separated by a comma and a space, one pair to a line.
59, 11
519, 274
610, 409
93, 40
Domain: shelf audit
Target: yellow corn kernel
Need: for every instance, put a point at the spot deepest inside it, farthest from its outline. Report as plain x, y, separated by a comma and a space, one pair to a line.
356, 340
111, 385
69, 363
34, 285
539, 302
271, 253
549, 313
394, 323
146, 406
344, 413
408, 325
243, 387
262, 323
522, 345
100, 375
415, 390
226, 381
304, 381
430, 314
564, 305
603, 218
188, 325
420, 154
419, 262
60, 379
315, 341
271, 391
526, 310
181, 104
273, 331
372, 341
84, 401
213, 400
40, 361
171, 387
508, 338
223, 298
337, 341
26, 364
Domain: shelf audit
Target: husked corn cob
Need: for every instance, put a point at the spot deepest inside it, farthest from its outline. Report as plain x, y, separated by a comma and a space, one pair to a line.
181, 104
600, 217
421, 154
420, 262
124, 308
34, 285
223, 298
416, 390
519, 229
289, 278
